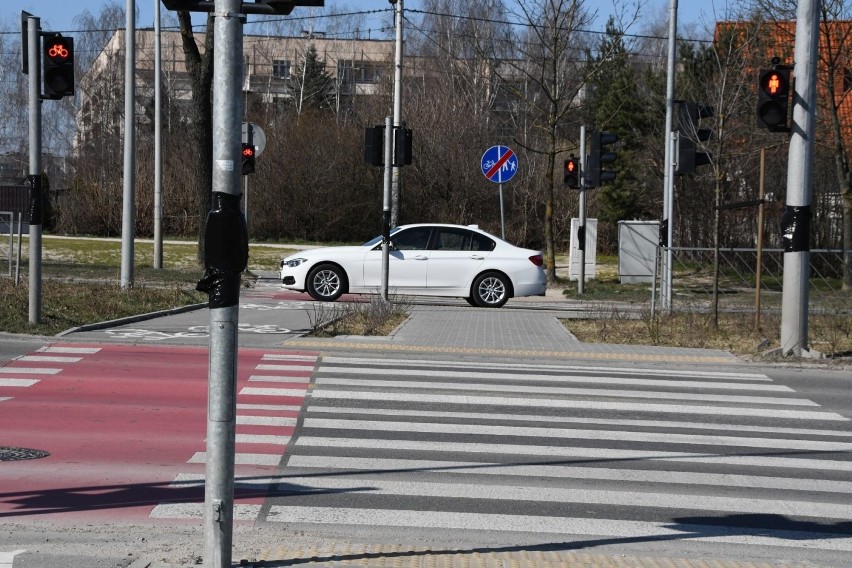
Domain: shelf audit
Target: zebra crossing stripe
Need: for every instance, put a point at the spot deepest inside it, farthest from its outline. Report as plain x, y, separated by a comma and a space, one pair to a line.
272, 407
390, 465
569, 433
574, 452
468, 416
635, 407
411, 364
265, 420
567, 496
597, 379
275, 379
48, 359
289, 357
563, 526
508, 388
241, 459
17, 382
262, 439
299, 393
30, 370
69, 349
268, 367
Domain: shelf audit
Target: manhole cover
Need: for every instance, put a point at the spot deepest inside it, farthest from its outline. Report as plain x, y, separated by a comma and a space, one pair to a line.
15, 454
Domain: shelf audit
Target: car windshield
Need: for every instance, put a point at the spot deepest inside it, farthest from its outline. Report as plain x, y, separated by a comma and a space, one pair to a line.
376, 240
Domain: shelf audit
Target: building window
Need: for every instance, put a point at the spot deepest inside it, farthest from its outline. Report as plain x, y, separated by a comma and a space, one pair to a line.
280, 69
349, 71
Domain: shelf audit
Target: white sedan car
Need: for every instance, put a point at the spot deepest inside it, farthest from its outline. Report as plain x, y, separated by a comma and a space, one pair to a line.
424, 260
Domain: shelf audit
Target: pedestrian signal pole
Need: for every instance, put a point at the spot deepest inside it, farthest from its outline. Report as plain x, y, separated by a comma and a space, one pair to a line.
32, 34
581, 229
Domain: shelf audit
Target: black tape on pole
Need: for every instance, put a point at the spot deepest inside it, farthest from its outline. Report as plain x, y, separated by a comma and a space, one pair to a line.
225, 251
796, 228
36, 200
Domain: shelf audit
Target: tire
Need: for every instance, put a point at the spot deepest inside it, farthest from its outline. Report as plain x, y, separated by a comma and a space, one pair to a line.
491, 290
326, 282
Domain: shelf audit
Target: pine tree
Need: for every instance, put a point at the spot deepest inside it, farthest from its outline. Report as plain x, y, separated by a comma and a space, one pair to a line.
316, 87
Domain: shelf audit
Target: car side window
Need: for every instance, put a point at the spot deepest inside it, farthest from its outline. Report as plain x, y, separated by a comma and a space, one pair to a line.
412, 239
449, 239
481, 242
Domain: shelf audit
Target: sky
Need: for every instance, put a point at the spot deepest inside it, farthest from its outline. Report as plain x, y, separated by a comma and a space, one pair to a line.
58, 15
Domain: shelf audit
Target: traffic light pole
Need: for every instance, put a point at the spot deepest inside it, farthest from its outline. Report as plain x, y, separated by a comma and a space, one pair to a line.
35, 221
795, 222
581, 229
668, 176
386, 206
128, 215
225, 257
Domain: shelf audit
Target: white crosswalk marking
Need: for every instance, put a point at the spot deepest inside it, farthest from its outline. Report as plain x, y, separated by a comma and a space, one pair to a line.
264, 423
712, 456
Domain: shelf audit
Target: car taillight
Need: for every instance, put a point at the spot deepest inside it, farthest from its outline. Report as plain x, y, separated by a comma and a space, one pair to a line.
537, 259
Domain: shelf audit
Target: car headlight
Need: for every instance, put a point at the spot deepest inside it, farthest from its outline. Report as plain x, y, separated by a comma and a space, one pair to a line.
293, 262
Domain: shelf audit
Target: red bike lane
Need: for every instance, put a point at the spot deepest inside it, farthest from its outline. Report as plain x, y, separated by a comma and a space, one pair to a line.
124, 427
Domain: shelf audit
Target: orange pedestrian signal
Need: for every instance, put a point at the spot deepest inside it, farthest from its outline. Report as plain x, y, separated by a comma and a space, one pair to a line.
572, 173
772, 99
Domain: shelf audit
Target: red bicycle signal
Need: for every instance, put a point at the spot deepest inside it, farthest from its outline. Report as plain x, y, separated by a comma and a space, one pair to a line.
58, 50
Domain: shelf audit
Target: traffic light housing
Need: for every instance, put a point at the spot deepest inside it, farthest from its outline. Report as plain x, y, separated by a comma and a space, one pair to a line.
572, 173
403, 139
269, 7
374, 145
58, 66
598, 157
773, 99
689, 135
248, 156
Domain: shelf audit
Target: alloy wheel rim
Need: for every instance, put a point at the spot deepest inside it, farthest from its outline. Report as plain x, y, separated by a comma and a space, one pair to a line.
326, 283
491, 290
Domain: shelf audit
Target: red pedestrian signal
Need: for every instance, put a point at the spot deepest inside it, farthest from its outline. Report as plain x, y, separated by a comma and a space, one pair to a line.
773, 100
248, 155
58, 57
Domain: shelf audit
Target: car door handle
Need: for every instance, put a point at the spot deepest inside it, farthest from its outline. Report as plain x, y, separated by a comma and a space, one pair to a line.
420, 257
477, 257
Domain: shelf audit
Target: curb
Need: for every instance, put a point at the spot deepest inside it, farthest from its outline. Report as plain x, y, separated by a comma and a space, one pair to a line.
131, 319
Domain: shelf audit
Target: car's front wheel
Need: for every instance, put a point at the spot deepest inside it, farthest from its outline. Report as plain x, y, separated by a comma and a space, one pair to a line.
326, 282
491, 290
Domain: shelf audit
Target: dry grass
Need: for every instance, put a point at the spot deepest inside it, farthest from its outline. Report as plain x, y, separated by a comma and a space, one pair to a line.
375, 317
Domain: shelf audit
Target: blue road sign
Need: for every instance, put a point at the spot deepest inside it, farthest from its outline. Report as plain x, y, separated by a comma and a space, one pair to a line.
499, 164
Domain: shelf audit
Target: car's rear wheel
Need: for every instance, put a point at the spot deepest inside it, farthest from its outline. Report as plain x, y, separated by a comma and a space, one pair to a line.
491, 290
326, 282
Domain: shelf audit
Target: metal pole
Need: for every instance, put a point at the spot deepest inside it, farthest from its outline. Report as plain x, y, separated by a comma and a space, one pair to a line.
33, 37
758, 270
581, 230
226, 253
797, 213
18, 261
128, 217
158, 149
502, 217
386, 207
397, 110
668, 175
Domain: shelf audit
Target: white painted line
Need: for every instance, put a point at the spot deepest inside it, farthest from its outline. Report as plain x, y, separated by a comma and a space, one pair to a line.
8, 558
241, 459
279, 379
575, 434
274, 407
422, 467
508, 388
277, 357
2, 398
196, 511
558, 495
266, 367
251, 482
49, 359
632, 406
697, 383
562, 526
266, 420
572, 452
30, 370
262, 439
68, 349
409, 364
300, 393
468, 416
17, 382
